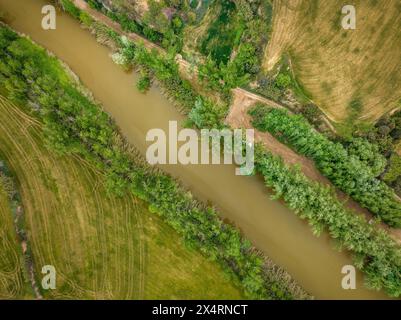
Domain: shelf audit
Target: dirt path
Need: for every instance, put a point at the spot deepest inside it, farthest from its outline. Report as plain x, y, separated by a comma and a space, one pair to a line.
238, 117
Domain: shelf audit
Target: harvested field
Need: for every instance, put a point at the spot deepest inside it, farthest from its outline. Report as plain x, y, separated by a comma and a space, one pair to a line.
341, 69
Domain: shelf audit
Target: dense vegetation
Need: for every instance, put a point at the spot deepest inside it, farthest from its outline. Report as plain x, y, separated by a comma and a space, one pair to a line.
374, 252
223, 34
234, 43
386, 133
74, 124
393, 174
354, 171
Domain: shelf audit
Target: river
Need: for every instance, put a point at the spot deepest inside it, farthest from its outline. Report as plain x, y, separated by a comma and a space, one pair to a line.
269, 224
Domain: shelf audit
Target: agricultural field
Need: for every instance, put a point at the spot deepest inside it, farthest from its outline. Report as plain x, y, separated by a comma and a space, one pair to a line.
102, 247
352, 75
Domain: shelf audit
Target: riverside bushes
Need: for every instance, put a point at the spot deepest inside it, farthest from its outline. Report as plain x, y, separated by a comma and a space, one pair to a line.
159, 24
373, 251
345, 169
74, 124
165, 69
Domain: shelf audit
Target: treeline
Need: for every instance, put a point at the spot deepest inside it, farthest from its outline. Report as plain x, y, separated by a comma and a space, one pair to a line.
386, 133
373, 251
345, 169
74, 124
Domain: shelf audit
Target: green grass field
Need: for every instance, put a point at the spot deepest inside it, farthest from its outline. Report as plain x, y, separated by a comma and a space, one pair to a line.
102, 247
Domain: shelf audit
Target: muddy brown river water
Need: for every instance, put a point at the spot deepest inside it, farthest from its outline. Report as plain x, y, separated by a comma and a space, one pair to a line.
269, 224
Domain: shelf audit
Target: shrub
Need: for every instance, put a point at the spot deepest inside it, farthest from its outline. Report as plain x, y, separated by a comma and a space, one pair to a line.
394, 169
283, 80
143, 83
368, 153
71, 8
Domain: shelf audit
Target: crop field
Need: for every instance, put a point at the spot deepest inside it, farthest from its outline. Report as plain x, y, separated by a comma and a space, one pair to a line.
102, 247
352, 75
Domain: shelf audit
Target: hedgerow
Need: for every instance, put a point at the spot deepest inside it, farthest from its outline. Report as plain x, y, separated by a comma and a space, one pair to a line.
373, 251
345, 169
